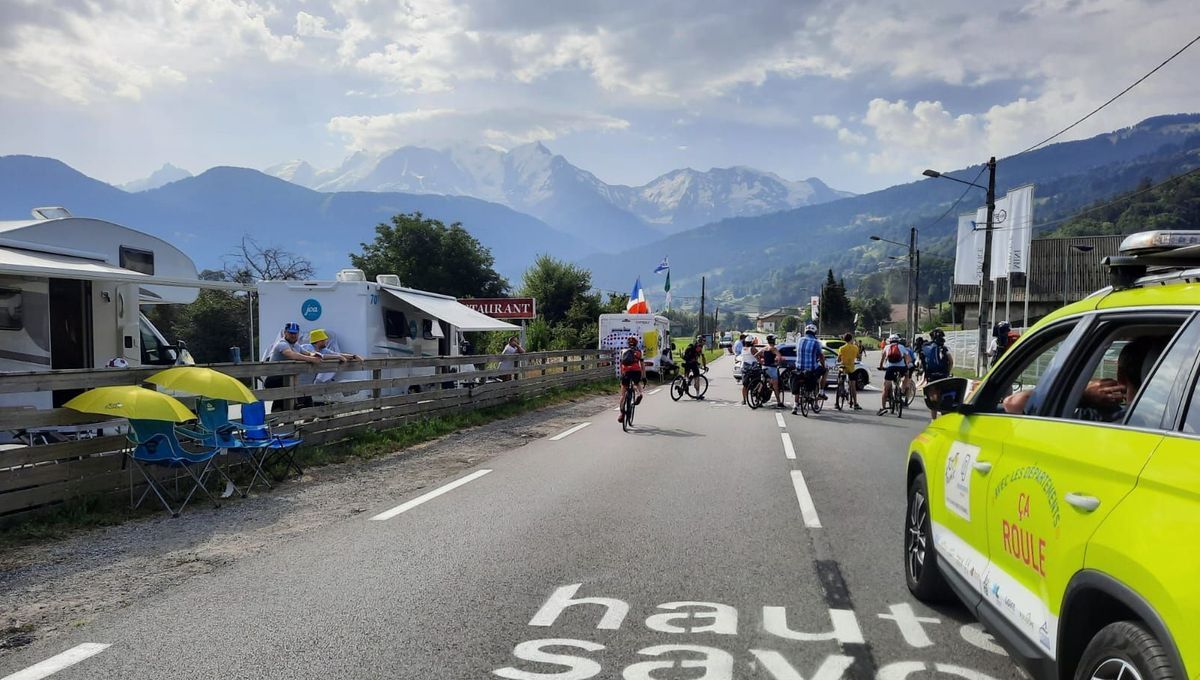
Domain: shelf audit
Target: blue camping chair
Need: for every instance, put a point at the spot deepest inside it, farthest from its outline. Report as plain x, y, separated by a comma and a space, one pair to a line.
257, 435
153, 443
216, 430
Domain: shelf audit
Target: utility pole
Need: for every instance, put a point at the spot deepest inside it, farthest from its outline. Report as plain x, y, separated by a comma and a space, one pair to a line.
984, 325
917, 290
700, 319
912, 245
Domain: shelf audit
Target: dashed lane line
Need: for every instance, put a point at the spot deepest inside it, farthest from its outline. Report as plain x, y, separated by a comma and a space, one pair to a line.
807, 509
404, 507
779, 419
571, 431
58, 662
788, 449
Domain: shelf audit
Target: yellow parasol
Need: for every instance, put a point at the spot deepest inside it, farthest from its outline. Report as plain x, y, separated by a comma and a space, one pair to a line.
131, 401
204, 382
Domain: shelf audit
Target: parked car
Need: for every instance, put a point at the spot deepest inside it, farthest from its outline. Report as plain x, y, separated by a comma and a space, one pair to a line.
726, 341
861, 375
1060, 514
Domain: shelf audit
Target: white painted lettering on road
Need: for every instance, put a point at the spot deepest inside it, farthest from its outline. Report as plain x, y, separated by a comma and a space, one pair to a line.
807, 509
910, 624
779, 420
724, 618
717, 663
571, 431
788, 450
578, 668
900, 670
845, 626
976, 635
405, 507
58, 662
833, 667
614, 609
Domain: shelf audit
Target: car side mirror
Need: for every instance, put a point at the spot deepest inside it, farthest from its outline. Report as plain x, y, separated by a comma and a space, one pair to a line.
946, 395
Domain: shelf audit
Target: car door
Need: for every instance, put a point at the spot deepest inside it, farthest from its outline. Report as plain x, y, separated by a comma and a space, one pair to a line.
975, 446
1065, 467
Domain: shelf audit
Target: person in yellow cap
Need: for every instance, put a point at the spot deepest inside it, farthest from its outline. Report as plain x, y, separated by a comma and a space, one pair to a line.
319, 340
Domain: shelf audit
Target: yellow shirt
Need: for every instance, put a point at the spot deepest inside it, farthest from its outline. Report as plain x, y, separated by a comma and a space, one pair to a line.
847, 355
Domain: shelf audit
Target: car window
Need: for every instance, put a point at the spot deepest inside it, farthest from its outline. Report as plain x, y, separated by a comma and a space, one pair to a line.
1115, 366
1021, 382
1157, 406
1191, 421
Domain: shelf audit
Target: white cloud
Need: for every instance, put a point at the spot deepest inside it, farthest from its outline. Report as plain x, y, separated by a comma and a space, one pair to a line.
848, 136
438, 127
827, 121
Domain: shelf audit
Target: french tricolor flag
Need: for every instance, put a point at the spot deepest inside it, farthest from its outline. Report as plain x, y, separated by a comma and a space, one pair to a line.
637, 300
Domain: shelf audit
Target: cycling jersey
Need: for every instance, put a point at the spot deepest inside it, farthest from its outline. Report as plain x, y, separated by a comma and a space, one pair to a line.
636, 365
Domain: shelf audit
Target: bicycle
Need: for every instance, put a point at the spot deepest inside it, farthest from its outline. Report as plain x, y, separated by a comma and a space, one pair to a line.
895, 402
842, 397
910, 390
693, 386
758, 388
628, 404
809, 398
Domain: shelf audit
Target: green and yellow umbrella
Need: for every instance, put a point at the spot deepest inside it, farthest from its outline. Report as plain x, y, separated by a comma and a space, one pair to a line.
204, 382
131, 401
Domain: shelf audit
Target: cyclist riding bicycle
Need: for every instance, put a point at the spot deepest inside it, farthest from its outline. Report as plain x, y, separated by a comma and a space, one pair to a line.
810, 366
633, 373
693, 356
897, 364
937, 359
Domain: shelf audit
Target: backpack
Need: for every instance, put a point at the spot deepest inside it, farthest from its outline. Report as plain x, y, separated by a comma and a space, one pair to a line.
935, 359
629, 357
894, 353
689, 354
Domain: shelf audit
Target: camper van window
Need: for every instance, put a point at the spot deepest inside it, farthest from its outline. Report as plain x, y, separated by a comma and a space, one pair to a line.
427, 329
154, 353
395, 324
138, 260
10, 309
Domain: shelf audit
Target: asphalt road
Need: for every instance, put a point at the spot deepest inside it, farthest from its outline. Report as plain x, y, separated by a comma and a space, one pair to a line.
684, 545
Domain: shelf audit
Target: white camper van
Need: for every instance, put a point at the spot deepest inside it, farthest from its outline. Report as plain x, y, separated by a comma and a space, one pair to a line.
70, 295
373, 319
652, 330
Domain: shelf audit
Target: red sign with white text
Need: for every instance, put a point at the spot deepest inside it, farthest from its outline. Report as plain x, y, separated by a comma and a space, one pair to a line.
503, 308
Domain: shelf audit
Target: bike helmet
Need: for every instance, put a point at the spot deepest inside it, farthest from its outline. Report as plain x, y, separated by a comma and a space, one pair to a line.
631, 340
770, 339
893, 338
937, 335
810, 328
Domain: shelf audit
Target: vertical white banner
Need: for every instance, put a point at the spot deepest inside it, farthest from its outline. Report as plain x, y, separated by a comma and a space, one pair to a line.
968, 253
816, 304
1001, 237
1020, 215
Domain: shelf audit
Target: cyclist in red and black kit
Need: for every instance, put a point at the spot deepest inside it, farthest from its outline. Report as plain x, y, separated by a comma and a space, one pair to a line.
633, 373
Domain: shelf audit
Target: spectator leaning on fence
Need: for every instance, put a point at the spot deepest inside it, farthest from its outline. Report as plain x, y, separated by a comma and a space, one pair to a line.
512, 347
287, 348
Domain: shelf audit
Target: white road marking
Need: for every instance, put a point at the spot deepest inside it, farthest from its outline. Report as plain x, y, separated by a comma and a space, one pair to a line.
56, 663
653, 392
404, 507
571, 431
910, 624
807, 509
787, 445
779, 419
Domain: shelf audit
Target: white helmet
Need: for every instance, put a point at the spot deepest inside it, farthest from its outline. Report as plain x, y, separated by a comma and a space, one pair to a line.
810, 328
893, 338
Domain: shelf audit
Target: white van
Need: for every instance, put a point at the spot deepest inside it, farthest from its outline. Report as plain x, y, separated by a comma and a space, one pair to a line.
652, 330
373, 319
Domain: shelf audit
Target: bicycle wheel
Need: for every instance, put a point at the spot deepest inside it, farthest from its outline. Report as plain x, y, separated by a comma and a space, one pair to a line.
803, 403
815, 407
899, 405
840, 399
678, 387
753, 397
698, 391
627, 410
910, 394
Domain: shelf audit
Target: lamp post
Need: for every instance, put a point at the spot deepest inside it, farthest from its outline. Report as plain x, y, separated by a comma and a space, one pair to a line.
1079, 248
914, 277
987, 252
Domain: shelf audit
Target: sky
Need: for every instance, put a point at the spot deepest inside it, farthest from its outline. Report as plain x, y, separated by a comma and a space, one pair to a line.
863, 94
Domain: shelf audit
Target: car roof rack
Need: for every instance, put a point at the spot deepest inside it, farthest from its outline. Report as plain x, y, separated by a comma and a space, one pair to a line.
1155, 257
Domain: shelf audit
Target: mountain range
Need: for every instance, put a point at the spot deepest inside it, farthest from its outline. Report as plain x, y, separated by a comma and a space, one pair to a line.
533, 180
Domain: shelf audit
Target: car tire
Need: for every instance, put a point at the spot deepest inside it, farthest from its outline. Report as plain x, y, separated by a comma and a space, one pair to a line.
921, 571
1124, 646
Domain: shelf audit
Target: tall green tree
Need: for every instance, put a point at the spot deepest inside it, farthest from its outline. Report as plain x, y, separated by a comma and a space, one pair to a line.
556, 285
835, 306
427, 254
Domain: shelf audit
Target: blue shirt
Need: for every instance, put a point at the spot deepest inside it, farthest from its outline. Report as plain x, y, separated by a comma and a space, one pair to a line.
809, 355
738, 347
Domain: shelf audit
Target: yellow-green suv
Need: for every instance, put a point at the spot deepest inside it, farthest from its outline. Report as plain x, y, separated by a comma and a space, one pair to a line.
1061, 499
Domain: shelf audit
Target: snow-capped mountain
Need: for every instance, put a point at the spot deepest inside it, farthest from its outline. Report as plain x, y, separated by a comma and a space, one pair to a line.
532, 179
165, 175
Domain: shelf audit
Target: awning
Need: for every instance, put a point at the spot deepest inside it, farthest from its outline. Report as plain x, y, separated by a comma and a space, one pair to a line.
20, 262
451, 311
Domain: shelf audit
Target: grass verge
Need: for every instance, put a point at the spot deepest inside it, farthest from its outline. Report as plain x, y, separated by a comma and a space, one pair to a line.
98, 511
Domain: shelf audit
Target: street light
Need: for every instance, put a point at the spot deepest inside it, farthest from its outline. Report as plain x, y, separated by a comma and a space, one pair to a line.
914, 277
987, 250
1079, 248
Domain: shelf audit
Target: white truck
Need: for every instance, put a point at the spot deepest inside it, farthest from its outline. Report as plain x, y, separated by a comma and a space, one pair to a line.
373, 319
651, 330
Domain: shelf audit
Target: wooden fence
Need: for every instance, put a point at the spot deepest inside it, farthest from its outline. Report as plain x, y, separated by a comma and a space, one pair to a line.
386, 394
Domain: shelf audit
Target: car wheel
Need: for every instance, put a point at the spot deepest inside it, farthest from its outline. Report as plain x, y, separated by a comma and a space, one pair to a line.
1124, 650
921, 573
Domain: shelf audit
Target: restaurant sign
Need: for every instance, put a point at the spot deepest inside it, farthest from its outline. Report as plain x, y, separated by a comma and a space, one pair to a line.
503, 308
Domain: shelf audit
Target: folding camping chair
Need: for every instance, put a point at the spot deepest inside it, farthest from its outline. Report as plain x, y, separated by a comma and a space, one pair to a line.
216, 430
153, 444
257, 435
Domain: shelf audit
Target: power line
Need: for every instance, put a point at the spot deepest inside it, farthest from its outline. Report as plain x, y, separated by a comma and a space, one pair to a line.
960, 198
1115, 98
